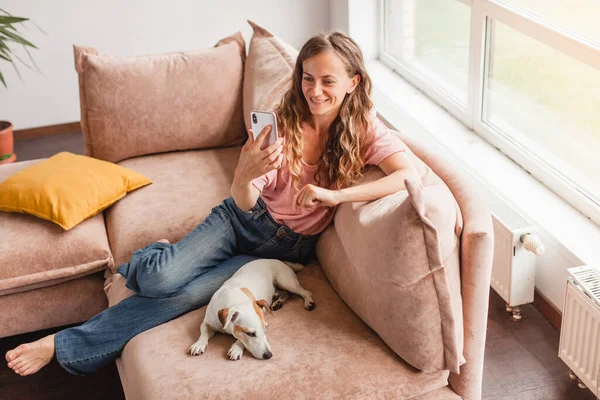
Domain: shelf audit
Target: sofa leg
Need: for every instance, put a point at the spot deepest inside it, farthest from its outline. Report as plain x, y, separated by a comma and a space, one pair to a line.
517, 312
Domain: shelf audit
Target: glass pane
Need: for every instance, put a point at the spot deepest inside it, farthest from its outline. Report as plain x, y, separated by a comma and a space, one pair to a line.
431, 36
579, 16
547, 101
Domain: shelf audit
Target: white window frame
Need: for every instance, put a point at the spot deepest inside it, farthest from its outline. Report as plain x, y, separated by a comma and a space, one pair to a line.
525, 22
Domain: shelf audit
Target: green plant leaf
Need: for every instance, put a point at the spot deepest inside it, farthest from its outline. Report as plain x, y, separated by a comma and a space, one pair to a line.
8, 19
9, 34
5, 156
23, 62
4, 54
32, 60
14, 64
16, 38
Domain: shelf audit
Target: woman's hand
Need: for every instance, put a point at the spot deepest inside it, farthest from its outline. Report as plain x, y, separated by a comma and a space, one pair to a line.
311, 195
253, 161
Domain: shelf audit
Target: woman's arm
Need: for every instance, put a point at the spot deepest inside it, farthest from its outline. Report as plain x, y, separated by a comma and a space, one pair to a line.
397, 167
253, 163
244, 194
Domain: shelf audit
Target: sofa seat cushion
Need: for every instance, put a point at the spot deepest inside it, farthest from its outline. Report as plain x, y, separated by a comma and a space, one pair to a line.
186, 186
65, 303
325, 353
36, 253
445, 393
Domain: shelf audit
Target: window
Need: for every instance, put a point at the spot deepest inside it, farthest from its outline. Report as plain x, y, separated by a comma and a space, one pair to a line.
432, 38
524, 74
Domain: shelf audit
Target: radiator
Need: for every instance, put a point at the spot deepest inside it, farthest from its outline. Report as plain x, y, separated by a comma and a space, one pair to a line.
516, 247
579, 345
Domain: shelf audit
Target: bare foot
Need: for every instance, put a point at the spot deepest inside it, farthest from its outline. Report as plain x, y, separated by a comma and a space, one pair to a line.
163, 241
29, 358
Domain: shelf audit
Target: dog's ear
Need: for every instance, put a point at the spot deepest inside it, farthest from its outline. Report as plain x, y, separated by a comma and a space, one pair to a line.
227, 315
263, 304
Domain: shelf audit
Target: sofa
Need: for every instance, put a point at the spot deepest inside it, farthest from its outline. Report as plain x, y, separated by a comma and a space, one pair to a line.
55, 277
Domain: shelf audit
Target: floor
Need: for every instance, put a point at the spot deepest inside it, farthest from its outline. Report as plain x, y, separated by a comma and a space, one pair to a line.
53, 382
521, 361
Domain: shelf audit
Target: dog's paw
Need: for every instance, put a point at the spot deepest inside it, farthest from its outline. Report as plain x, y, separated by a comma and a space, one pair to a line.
197, 348
277, 304
235, 353
309, 305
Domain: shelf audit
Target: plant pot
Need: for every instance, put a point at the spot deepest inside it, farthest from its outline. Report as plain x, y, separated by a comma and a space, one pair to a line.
7, 142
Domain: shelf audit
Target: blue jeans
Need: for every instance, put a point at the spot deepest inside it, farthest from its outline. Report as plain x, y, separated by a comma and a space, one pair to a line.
172, 279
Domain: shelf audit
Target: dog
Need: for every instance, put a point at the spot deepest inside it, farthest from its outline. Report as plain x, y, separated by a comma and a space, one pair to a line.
234, 308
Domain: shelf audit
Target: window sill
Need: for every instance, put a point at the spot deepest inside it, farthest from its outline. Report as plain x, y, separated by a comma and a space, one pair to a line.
571, 239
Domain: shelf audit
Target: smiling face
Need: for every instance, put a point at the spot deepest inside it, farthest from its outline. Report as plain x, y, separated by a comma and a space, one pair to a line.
325, 83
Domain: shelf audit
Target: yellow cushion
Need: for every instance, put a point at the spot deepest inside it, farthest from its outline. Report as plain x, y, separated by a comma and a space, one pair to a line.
67, 189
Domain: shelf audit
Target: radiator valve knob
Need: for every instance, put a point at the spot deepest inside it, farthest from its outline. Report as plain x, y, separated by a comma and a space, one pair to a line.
533, 243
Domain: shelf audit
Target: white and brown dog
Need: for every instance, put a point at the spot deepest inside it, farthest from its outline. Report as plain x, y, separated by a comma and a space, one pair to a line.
233, 309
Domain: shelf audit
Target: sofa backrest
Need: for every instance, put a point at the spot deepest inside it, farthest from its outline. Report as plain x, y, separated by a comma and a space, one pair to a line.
133, 106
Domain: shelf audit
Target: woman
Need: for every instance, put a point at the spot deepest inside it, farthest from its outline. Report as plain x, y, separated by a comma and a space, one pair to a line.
282, 198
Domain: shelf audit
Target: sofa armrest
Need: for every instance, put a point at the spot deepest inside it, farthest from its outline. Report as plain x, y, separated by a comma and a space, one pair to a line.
477, 251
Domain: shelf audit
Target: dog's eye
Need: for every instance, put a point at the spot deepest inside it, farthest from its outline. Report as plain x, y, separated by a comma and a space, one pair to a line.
251, 334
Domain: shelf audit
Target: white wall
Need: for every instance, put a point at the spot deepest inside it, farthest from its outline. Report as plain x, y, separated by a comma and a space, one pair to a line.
131, 27
355, 17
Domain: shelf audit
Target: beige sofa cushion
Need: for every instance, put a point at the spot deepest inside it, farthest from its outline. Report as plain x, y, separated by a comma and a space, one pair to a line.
133, 106
64, 303
36, 253
186, 185
326, 353
395, 262
267, 73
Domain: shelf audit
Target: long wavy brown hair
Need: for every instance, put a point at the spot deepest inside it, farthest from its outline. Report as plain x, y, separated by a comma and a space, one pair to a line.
341, 161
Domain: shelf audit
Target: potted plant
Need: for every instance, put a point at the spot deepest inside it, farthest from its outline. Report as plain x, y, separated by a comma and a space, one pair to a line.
7, 154
9, 36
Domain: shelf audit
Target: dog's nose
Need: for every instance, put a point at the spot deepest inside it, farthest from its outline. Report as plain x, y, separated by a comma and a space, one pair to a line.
267, 355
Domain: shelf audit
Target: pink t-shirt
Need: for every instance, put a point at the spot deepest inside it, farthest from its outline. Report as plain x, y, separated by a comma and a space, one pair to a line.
278, 192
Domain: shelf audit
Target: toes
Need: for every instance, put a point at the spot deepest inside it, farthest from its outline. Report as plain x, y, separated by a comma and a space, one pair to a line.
14, 353
18, 364
32, 369
310, 306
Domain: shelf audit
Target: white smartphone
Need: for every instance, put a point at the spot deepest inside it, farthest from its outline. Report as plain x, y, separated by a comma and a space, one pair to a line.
261, 119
